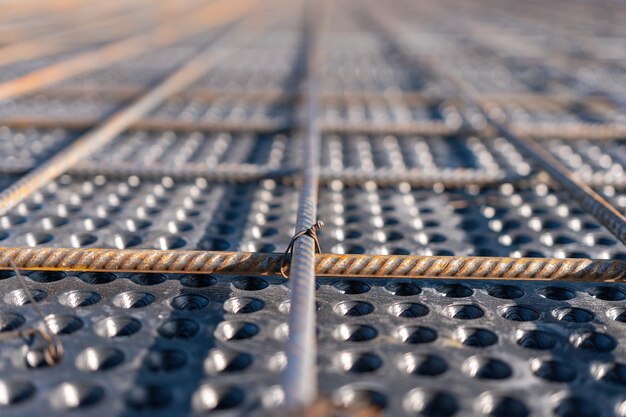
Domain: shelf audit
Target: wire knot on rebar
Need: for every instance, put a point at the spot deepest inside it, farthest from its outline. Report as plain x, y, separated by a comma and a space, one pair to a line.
312, 233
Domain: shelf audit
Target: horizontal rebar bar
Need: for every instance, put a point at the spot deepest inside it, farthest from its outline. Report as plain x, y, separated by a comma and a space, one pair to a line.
326, 265
214, 14
587, 198
85, 145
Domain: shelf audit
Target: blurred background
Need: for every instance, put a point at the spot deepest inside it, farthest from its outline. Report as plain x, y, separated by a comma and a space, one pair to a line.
488, 128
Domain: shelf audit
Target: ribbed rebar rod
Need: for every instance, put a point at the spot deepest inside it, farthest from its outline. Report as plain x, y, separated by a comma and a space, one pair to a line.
217, 12
299, 379
586, 197
113, 25
326, 265
119, 122
241, 172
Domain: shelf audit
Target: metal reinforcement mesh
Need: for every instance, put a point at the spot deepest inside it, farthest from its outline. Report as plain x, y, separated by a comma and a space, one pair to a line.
413, 159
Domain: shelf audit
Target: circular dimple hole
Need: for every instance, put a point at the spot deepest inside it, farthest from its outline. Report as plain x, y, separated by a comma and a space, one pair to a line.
189, 302
243, 305
359, 398
15, 391
20, 297
179, 329
91, 224
607, 293
403, 289
133, 225
454, 290
179, 226
79, 298
476, 337
50, 276
119, 326
99, 358
211, 398
124, 240
277, 362
573, 315
285, 306
506, 292
557, 293
220, 360
35, 357
415, 334
408, 310
6, 274
148, 279
250, 284
80, 240
281, 332
164, 360
593, 341
552, 370
133, 299
63, 324
10, 321
77, 395
236, 330
535, 339
502, 406
575, 407
431, 403
262, 247
613, 373
617, 314
198, 281
11, 220
422, 364
347, 248
149, 397
353, 308
33, 239
216, 244
464, 311
97, 278
487, 368
519, 313
352, 287
358, 362
169, 242
354, 333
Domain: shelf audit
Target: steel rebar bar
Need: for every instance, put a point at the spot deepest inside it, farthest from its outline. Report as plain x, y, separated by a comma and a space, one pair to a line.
299, 379
326, 265
120, 121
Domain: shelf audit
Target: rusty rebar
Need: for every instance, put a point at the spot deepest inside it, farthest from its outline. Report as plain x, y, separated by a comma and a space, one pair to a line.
587, 198
218, 12
105, 26
120, 121
326, 265
299, 379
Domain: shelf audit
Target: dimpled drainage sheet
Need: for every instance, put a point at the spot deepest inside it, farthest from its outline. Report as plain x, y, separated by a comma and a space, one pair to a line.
408, 166
136, 343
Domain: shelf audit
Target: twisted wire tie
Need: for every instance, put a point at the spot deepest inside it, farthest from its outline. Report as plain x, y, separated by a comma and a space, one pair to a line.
312, 233
54, 349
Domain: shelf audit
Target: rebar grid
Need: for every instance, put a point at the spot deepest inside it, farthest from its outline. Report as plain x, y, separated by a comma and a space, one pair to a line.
299, 383
325, 265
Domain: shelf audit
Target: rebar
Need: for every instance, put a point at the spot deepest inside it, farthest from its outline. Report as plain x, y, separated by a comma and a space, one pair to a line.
300, 375
120, 121
218, 12
326, 265
587, 198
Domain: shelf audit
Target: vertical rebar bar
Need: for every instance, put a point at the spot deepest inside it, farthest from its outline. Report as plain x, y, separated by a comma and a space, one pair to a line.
300, 378
93, 140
